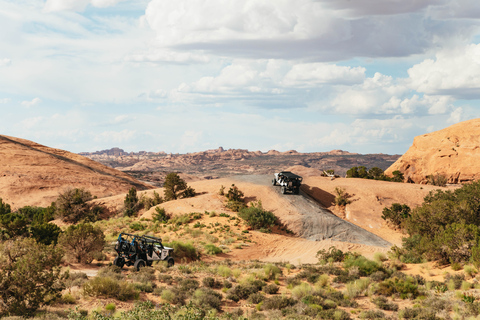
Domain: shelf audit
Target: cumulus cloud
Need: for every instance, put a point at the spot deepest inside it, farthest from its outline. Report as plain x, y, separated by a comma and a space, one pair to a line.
453, 72
314, 74
31, 103
385, 7
298, 29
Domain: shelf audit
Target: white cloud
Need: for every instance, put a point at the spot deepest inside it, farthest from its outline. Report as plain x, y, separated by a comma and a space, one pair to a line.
5, 62
77, 5
298, 29
31, 103
454, 72
166, 55
456, 116
385, 7
5, 100
65, 5
314, 74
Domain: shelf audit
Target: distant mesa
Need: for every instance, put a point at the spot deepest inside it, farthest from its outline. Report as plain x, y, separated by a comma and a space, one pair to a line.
453, 152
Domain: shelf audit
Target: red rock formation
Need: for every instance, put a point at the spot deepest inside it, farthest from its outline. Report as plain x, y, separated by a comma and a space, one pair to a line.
33, 174
453, 152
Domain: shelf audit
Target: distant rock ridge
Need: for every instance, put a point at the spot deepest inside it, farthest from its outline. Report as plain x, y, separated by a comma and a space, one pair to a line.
453, 152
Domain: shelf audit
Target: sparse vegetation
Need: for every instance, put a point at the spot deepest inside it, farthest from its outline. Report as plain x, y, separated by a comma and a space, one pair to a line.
82, 241
73, 206
175, 187
30, 276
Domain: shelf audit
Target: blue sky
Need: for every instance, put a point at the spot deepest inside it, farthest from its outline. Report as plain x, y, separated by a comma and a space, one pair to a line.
189, 75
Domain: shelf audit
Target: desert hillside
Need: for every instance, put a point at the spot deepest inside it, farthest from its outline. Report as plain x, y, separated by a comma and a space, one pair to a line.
33, 174
452, 152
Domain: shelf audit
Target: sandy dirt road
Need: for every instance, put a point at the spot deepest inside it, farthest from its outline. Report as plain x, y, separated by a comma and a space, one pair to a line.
318, 223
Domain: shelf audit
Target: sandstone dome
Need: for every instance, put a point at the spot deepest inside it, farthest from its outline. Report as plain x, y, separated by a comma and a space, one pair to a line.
453, 152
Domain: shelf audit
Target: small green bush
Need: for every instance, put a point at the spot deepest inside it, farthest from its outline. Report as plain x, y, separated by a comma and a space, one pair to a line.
382, 303
258, 218
207, 297
278, 303
110, 288
396, 214
160, 215
271, 288
212, 249
332, 255
183, 251
365, 267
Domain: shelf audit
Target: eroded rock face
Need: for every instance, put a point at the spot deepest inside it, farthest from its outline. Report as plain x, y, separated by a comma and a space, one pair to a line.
453, 152
33, 174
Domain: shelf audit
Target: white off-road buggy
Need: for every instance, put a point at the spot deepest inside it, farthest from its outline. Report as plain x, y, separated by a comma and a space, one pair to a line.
288, 181
141, 251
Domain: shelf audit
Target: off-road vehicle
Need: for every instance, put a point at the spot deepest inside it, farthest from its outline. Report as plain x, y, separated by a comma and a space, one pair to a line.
141, 251
288, 181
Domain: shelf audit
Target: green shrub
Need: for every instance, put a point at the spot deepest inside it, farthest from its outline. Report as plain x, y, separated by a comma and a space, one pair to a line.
405, 288
396, 214
210, 282
341, 197
30, 276
242, 291
258, 218
81, 241
184, 251
372, 314
278, 303
256, 298
160, 215
67, 298
73, 206
110, 307
175, 187
207, 297
212, 249
272, 271
186, 285
75, 279
382, 303
303, 289
365, 267
332, 255
131, 204
437, 180
46, 233
271, 288
110, 288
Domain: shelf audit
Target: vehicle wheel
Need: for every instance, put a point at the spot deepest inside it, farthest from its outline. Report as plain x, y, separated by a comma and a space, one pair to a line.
274, 182
139, 264
284, 190
119, 262
297, 190
170, 262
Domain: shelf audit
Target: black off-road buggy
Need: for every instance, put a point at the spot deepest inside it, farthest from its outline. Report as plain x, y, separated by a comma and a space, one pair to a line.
141, 251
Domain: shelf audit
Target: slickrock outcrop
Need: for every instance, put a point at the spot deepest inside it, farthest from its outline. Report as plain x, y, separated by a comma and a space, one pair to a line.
33, 174
453, 152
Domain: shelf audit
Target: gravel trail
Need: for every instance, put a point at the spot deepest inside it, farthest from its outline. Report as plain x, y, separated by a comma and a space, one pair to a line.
317, 222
